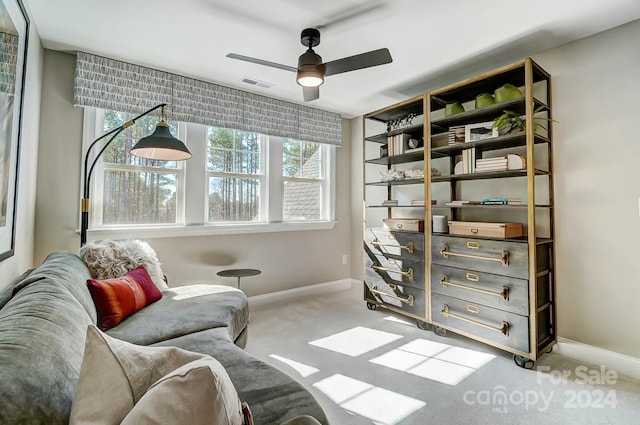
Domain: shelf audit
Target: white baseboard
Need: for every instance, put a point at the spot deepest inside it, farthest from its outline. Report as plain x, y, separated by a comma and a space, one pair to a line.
287, 295
621, 363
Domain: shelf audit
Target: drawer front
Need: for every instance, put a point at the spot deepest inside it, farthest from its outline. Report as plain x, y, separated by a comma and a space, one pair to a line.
496, 257
409, 245
402, 297
501, 292
400, 272
495, 325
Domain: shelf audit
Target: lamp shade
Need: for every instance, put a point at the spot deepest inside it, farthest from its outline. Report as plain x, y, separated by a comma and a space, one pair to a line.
161, 145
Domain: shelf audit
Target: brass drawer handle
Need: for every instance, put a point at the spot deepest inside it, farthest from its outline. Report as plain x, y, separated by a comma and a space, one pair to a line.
408, 247
408, 273
472, 277
473, 309
473, 245
504, 258
408, 300
504, 294
504, 329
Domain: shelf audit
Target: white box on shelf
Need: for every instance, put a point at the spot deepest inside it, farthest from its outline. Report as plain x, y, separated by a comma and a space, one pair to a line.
479, 131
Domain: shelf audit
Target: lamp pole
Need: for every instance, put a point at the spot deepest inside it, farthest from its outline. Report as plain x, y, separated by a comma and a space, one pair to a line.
89, 170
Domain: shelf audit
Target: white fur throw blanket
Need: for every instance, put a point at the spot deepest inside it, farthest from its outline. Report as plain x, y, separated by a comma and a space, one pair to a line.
109, 259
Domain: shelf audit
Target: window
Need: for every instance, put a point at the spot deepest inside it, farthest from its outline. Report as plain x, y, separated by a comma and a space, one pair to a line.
302, 175
135, 190
235, 176
236, 181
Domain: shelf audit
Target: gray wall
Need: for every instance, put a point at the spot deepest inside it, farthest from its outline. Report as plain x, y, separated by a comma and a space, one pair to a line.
287, 259
596, 152
23, 257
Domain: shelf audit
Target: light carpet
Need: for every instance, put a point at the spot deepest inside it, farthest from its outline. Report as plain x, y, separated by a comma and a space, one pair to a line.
378, 367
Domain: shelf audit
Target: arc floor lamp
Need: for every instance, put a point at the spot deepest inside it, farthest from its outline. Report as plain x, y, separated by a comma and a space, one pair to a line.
160, 145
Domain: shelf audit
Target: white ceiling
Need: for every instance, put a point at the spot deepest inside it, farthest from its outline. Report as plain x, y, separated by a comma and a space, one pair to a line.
432, 42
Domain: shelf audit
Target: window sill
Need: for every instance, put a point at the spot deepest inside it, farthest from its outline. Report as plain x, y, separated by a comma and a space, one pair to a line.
205, 230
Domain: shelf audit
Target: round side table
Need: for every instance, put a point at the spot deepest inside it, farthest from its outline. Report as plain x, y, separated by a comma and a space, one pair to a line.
239, 273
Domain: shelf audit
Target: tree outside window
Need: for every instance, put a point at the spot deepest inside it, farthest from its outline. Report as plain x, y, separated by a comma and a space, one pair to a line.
249, 178
136, 190
234, 175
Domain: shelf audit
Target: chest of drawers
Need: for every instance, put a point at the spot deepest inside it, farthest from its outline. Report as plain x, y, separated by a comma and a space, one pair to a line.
481, 287
394, 271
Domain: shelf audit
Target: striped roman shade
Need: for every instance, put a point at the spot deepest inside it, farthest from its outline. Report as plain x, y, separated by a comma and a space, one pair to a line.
110, 84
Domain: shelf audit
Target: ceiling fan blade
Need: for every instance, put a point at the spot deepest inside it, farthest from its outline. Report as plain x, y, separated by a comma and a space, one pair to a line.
349, 13
363, 60
261, 62
310, 93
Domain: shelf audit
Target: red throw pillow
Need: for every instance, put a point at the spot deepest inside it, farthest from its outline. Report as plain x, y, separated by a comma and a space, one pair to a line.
118, 298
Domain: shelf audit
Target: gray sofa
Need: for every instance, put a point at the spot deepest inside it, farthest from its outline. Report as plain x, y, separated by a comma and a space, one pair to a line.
44, 316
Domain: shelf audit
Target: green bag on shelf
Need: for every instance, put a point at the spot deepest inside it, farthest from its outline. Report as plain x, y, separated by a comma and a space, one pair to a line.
507, 92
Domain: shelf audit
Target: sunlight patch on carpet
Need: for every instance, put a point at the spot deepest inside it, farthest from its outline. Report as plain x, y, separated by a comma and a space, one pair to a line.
303, 369
435, 361
356, 341
398, 320
381, 406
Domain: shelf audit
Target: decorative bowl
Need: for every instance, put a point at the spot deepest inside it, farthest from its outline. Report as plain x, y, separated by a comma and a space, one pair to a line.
506, 92
484, 99
453, 108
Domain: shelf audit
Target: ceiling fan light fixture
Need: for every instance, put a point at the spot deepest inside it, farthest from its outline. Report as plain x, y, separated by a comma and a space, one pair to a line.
310, 69
310, 78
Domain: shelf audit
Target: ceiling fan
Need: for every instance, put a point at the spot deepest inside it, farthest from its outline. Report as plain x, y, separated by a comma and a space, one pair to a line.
311, 70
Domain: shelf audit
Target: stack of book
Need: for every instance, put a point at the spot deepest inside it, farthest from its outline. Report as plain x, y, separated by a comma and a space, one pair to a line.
417, 202
502, 201
456, 135
491, 164
397, 144
462, 202
468, 161
390, 203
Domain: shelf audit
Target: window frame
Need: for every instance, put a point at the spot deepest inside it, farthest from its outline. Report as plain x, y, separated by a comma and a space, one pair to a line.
262, 176
192, 205
322, 180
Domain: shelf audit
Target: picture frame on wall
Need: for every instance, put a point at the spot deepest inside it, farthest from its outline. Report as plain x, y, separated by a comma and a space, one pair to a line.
14, 33
479, 131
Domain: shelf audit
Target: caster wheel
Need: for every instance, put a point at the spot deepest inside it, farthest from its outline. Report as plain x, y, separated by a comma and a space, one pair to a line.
371, 306
439, 331
422, 325
523, 362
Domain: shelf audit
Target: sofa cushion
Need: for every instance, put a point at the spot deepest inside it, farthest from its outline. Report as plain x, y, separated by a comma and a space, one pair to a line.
108, 259
13, 287
184, 310
42, 332
274, 397
64, 268
118, 298
115, 375
198, 393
